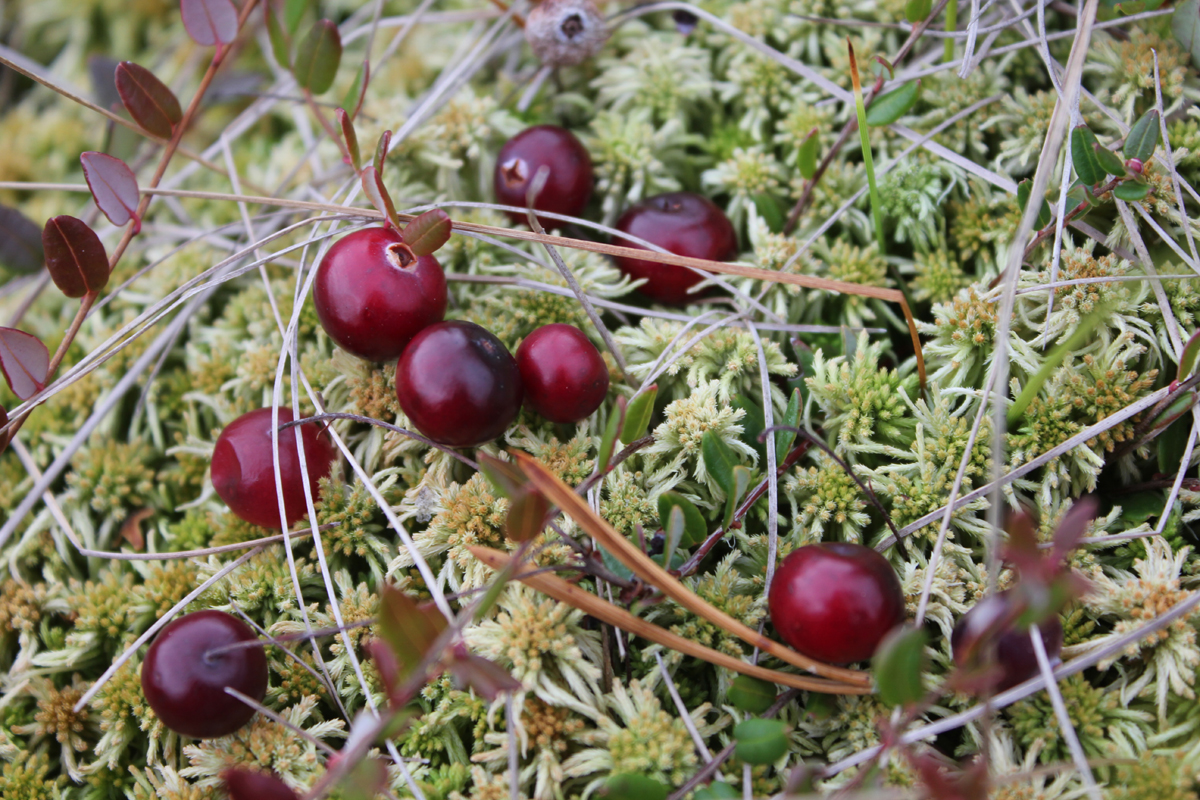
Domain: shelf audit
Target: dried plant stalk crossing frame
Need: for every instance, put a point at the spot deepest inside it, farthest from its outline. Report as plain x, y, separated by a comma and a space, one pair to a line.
648, 570
605, 611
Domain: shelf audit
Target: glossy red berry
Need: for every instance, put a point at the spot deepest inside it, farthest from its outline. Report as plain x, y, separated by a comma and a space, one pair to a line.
568, 185
184, 680
682, 223
458, 384
373, 296
989, 620
243, 470
564, 377
835, 601
244, 784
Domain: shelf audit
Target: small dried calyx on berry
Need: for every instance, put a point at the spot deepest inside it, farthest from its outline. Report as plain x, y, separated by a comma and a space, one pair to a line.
563, 33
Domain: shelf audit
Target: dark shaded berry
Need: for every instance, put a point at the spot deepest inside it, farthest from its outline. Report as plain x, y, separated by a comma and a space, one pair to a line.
682, 223
184, 681
373, 296
991, 620
244, 784
458, 384
564, 377
568, 185
835, 601
243, 471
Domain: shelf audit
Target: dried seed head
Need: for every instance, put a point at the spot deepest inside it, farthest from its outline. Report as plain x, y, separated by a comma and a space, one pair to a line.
563, 33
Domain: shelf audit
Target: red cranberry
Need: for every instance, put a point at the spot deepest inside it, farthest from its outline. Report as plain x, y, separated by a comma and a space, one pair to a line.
458, 384
373, 296
990, 619
184, 681
835, 601
682, 223
244, 784
243, 472
565, 378
569, 184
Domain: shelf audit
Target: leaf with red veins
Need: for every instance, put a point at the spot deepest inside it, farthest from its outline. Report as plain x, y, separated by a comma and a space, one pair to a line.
114, 188
210, 22
75, 256
25, 361
148, 100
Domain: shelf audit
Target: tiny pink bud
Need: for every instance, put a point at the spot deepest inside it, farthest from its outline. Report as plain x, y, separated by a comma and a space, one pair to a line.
1135, 166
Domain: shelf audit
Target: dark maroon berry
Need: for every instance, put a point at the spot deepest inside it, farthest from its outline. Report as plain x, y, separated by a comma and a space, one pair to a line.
184, 680
564, 377
244, 784
991, 621
682, 223
569, 184
835, 601
458, 384
243, 471
373, 295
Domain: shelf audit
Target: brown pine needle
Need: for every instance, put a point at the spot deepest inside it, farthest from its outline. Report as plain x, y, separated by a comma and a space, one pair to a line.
605, 611
648, 570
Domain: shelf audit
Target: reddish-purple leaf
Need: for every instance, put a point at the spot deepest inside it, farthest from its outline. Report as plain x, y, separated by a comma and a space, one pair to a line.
381, 150
428, 232
389, 669
244, 784
526, 515
210, 22
75, 256
506, 476
148, 100
409, 629
488, 679
365, 780
347, 123
20, 242
1074, 525
113, 187
24, 360
318, 56
377, 193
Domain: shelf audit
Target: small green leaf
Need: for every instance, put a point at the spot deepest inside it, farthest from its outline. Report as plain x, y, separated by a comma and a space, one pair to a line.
1172, 444
281, 44
1023, 189
791, 418
608, 442
293, 13
673, 532
892, 106
408, 628
365, 780
717, 790
752, 424
358, 90
768, 208
381, 151
806, 155
760, 741
613, 565
719, 461
917, 10
1128, 9
695, 529
1185, 24
1083, 155
1131, 191
318, 57
752, 695
1142, 140
741, 481
1187, 360
526, 515
1141, 507
637, 414
631, 786
1109, 161
348, 133
428, 232
899, 666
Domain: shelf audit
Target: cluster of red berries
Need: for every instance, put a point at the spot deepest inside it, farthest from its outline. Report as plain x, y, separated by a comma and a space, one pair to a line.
682, 223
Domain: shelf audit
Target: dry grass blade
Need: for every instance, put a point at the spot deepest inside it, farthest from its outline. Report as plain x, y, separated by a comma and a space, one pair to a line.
648, 570
618, 617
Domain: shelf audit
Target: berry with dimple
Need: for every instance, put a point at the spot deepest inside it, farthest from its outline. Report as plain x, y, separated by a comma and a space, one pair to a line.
244, 784
569, 179
563, 375
835, 601
563, 33
989, 621
373, 295
682, 223
458, 384
243, 471
185, 674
